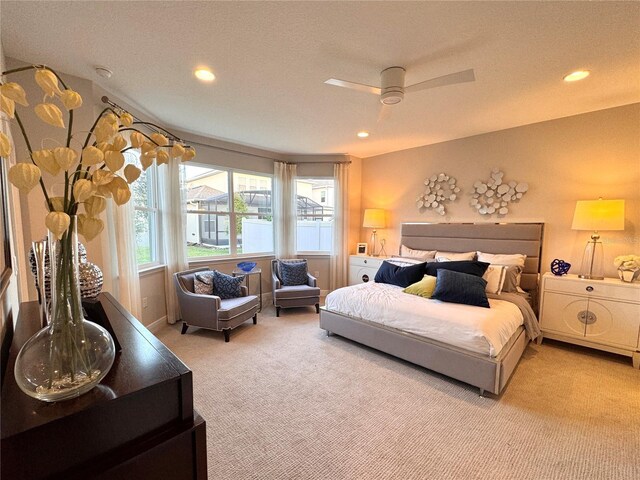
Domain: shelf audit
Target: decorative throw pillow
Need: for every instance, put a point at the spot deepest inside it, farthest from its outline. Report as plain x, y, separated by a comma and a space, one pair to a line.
400, 276
455, 257
227, 286
423, 288
456, 287
512, 279
419, 254
203, 283
292, 272
472, 268
495, 276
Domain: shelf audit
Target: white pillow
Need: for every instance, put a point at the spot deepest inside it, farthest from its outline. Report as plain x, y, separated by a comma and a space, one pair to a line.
495, 276
516, 259
421, 254
454, 257
403, 261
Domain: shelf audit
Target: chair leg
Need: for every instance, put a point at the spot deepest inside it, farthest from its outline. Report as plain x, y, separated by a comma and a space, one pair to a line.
277, 311
226, 332
317, 308
184, 328
255, 319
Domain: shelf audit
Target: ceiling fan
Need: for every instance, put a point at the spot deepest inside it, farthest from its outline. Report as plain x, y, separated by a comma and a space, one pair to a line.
392, 89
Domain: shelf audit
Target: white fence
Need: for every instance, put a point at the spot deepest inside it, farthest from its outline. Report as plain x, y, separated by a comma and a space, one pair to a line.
257, 235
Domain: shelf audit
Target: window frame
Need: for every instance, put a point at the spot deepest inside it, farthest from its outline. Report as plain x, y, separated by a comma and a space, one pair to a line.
232, 215
314, 216
155, 238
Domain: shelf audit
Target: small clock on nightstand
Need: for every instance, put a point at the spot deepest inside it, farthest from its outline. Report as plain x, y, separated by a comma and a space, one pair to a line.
602, 314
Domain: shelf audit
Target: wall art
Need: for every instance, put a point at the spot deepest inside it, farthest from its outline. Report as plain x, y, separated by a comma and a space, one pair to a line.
495, 195
438, 190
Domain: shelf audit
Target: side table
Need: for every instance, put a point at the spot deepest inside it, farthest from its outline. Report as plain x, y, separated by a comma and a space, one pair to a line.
255, 271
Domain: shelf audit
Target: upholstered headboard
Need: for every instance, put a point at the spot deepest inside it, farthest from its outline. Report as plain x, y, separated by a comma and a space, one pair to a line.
525, 238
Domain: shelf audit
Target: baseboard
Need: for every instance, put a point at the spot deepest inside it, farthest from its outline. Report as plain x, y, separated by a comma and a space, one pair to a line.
153, 327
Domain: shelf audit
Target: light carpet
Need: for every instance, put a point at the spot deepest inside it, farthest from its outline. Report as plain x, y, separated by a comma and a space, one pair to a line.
283, 400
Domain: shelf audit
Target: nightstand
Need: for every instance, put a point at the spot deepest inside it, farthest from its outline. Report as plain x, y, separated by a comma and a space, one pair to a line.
363, 268
602, 314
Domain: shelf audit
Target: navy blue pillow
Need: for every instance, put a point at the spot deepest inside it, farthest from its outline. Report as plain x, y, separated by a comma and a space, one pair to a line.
456, 287
463, 266
227, 286
293, 272
400, 276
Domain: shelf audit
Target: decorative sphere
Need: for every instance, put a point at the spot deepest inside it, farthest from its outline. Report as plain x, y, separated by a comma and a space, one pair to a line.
560, 267
91, 280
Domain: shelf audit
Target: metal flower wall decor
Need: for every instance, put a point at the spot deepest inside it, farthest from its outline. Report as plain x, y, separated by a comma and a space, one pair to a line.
439, 189
494, 196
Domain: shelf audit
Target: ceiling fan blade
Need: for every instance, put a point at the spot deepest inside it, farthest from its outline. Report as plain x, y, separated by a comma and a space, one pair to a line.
450, 79
354, 86
385, 113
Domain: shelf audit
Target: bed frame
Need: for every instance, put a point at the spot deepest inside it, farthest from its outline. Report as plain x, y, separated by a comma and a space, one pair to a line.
487, 373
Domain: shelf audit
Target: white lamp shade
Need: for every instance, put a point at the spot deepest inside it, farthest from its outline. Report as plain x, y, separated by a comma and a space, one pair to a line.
374, 218
598, 215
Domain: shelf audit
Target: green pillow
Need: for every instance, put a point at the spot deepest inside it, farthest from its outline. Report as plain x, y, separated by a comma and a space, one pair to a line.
423, 288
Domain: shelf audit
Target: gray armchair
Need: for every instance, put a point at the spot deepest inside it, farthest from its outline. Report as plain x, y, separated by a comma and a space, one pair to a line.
294, 296
210, 311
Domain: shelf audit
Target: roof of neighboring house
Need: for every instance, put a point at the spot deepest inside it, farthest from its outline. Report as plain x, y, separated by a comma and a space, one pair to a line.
201, 192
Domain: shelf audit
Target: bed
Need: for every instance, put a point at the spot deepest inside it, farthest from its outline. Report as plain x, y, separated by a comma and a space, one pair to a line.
452, 351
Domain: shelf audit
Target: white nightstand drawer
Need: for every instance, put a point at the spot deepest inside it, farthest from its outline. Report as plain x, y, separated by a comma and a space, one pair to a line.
373, 262
608, 288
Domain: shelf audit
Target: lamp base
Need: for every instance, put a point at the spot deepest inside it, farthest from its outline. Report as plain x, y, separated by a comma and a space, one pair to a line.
374, 238
592, 266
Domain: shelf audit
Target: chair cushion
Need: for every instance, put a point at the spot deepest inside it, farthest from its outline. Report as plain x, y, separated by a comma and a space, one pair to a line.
227, 286
203, 283
292, 272
232, 307
297, 291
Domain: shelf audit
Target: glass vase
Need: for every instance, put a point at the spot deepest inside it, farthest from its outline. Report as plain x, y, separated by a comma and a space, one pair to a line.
628, 274
71, 355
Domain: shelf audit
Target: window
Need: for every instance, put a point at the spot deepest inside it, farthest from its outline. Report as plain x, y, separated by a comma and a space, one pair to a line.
146, 215
314, 229
226, 214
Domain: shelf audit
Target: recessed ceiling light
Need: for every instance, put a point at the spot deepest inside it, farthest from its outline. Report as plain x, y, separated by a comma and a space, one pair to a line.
577, 75
204, 74
104, 72
363, 134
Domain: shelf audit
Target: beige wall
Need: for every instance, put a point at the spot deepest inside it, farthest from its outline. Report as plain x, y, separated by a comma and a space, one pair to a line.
575, 158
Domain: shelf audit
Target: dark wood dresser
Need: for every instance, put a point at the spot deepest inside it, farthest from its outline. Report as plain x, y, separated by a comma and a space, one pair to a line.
138, 423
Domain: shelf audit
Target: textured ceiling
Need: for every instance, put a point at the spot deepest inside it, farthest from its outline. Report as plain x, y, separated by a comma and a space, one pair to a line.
271, 60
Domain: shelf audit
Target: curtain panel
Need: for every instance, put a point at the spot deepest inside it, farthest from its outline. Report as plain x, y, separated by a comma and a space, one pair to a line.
173, 213
284, 209
340, 251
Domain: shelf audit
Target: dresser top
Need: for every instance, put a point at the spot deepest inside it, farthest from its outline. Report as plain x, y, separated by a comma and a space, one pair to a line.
606, 281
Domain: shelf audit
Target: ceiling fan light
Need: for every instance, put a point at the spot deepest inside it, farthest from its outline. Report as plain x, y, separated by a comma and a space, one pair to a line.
391, 98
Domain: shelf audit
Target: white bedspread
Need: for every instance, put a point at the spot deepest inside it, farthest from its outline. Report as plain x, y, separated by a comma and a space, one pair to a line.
478, 329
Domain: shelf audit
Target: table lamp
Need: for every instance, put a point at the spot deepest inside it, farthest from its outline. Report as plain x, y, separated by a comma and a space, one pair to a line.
373, 218
596, 215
